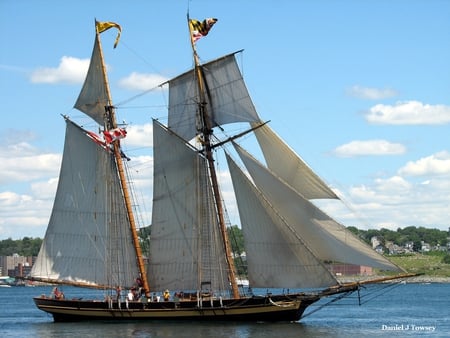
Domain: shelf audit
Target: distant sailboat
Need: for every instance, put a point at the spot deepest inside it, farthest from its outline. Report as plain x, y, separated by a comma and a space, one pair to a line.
92, 241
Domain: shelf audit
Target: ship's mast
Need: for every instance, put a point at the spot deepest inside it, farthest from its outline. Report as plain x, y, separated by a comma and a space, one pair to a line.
206, 130
111, 123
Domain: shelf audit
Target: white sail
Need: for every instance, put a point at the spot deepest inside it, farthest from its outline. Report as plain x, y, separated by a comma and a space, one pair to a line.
283, 161
93, 97
88, 235
276, 255
227, 98
329, 240
185, 248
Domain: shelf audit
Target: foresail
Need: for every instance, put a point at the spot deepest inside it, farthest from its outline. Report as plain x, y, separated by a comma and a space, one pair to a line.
93, 97
283, 161
227, 98
179, 259
329, 240
276, 255
88, 236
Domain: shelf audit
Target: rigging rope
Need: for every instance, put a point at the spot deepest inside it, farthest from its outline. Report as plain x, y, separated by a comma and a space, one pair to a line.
372, 295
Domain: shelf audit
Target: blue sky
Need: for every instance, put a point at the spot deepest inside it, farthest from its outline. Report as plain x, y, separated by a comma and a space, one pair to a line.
360, 89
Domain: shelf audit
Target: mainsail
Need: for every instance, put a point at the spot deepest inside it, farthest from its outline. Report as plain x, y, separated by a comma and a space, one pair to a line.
185, 250
91, 237
88, 237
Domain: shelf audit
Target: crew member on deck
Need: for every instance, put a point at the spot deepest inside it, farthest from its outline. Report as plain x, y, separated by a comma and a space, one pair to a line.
166, 295
57, 294
118, 292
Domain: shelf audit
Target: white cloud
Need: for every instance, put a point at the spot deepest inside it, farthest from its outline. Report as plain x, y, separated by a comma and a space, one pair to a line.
409, 112
369, 147
45, 189
401, 200
22, 215
436, 164
371, 93
396, 202
139, 135
16, 166
69, 70
136, 81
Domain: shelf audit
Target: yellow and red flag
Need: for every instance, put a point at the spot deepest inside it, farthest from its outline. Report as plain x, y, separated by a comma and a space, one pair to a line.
200, 29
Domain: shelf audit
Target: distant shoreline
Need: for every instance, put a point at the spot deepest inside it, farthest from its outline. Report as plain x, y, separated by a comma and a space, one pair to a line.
417, 279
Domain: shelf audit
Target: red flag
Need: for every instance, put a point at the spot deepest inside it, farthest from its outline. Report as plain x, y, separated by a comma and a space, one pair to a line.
96, 138
114, 134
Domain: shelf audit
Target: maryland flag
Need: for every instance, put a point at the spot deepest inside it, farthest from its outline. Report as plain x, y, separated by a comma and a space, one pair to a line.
200, 29
103, 26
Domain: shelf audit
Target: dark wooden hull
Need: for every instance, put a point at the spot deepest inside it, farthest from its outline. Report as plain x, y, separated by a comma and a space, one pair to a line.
270, 309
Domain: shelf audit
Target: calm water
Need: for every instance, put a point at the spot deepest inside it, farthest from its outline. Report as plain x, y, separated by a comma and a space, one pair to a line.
405, 310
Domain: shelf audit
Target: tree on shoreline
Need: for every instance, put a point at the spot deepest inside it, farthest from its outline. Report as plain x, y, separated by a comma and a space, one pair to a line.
29, 246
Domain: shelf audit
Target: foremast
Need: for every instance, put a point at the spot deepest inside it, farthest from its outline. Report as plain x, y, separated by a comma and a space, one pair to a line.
110, 122
206, 132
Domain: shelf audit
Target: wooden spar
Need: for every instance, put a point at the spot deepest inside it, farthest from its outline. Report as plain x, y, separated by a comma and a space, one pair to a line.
385, 279
207, 131
110, 123
355, 285
70, 283
232, 138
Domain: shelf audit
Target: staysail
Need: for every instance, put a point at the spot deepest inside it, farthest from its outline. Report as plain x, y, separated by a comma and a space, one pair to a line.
88, 236
327, 239
276, 255
227, 97
283, 161
185, 250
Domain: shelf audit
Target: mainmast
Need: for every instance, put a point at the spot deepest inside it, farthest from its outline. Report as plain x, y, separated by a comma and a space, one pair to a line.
111, 123
206, 130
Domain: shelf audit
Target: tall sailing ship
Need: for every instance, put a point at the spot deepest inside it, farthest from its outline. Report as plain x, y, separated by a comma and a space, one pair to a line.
92, 240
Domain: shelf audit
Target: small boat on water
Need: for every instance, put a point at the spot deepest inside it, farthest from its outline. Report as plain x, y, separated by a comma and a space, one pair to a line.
92, 238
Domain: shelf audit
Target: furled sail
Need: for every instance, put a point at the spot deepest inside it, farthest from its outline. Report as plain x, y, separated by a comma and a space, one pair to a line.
227, 97
283, 161
186, 250
276, 255
88, 236
93, 97
329, 240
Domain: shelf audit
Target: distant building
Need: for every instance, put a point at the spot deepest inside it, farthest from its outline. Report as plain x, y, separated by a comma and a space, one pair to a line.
9, 264
376, 242
350, 270
409, 246
425, 246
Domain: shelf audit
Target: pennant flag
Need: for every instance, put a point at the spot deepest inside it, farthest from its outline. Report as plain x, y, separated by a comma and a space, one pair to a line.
114, 134
103, 26
199, 29
122, 154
